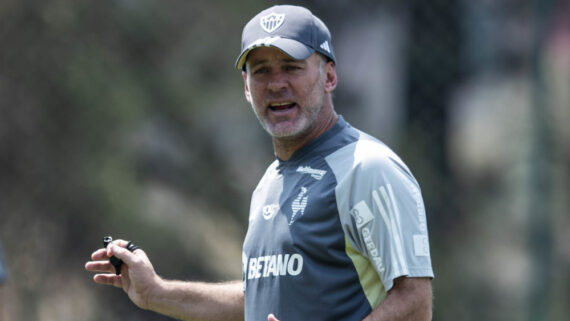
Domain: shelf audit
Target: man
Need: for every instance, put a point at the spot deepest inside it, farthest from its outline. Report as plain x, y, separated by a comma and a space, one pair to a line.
337, 227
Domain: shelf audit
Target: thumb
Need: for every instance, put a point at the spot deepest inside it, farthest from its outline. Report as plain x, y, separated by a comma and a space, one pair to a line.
271, 317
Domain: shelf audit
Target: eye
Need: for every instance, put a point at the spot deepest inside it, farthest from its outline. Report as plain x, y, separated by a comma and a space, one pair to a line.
292, 67
260, 70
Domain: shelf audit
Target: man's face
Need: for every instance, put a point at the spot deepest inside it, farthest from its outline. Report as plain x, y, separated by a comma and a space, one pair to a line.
286, 95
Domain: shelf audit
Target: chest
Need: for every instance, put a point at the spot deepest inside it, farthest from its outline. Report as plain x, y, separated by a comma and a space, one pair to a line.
294, 210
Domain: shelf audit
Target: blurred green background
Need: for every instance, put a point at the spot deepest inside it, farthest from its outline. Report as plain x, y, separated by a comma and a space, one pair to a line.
127, 118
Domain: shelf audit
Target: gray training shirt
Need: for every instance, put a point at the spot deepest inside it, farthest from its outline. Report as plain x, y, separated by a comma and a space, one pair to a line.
331, 228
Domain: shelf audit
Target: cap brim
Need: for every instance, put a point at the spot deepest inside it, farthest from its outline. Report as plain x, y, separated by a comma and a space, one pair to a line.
290, 47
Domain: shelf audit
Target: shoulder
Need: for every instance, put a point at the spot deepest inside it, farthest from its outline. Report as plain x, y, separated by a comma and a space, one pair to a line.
366, 155
269, 175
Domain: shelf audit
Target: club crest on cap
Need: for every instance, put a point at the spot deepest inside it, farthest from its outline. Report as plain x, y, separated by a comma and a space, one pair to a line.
271, 22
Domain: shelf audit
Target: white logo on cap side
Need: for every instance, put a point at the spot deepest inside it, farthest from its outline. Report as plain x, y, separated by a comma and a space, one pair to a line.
326, 47
271, 22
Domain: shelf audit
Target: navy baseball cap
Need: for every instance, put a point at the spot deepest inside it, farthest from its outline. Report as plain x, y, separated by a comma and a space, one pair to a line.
292, 29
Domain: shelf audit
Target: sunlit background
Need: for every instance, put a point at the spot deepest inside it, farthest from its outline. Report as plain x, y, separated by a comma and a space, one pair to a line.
127, 118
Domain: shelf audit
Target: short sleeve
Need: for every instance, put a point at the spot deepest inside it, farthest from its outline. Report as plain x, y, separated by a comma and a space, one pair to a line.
382, 210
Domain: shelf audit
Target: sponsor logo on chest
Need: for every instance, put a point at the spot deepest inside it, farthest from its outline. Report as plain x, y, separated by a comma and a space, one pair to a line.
269, 211
315, 173
274, 265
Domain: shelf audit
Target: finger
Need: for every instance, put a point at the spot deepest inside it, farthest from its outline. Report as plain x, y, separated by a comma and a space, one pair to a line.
271, 317
121, 246
108, 279
99, 266
121, 253
100, 254
121, 243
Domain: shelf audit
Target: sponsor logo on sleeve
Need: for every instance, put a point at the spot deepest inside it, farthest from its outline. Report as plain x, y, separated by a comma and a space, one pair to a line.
420, 208
361, 214
269, 211
372, 250
421, 245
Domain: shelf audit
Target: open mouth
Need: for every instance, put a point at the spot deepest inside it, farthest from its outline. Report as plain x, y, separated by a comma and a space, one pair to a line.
282, 106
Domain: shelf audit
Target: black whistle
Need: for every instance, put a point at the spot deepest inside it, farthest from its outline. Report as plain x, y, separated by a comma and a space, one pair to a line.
115, 261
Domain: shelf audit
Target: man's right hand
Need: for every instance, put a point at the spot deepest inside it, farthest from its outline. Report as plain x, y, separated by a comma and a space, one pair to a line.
137, 277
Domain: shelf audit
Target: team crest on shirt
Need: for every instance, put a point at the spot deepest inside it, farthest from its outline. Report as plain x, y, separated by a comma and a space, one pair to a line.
272, 21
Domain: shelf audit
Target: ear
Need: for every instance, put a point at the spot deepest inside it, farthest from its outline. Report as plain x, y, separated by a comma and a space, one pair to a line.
246, 87
330, 77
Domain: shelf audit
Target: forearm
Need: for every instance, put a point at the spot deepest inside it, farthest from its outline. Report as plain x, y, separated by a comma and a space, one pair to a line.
198, 301
409, 300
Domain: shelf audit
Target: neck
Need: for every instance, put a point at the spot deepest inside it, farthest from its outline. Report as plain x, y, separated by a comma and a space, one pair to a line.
286, 147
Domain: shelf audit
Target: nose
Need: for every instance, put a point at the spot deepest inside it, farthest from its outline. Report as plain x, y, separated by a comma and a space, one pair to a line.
277, 82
